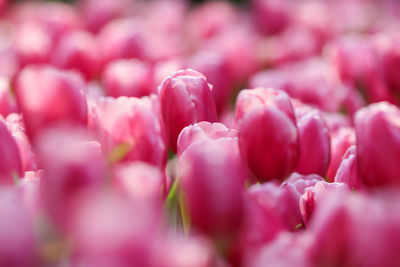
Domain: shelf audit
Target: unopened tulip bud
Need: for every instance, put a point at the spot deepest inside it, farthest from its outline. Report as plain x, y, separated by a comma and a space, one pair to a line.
186, 98
378, 144
348, 170
47, 96
315, 143
128, 78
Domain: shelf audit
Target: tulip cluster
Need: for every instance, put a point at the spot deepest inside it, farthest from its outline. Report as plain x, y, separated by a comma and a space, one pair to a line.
167, 134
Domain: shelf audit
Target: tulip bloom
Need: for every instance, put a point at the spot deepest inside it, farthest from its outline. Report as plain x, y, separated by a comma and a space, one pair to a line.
310, 200
348, 170
342, 139
48, 96
212, 178
78, 51
186, 98
128, 78
378, 144
269, 143
314, 142
17, 246
72, 162
10, 159
132, 125
203, 130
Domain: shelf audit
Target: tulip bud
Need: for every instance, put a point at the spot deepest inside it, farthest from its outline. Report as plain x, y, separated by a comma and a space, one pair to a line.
17, 129
269, 143
132, 125
378, 144
128, 78
309, 201
261, 97
314, 142
10, 160
121, 38
212, 178
201, 131
140, 181
186, 98
348, 170
78, 51
286, 251
71, 162
17, 245
342, 139
48, 96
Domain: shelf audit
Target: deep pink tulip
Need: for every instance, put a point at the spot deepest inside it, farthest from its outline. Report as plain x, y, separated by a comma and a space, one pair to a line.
269, 143
10, 163
121, 38
286, 251
212, 177
310, 200
348, 170
29, 51
97, 14
378, 144
141, 181
132, 126
131, 78
78, 51
16, 127
341, 140
17, 246
123, 235
271, 16
315, 142
186, 98
203, 130
72, 162
391, 63
48, 96
263, 97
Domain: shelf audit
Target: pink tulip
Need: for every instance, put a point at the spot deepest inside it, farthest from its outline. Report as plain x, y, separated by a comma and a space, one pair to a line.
378, 147
186, 98
128, 78
10, 163
310, 200
133, 127
212, 178
201, 131
348, 170
33, 44
314, 142
269, 143
391, 63
342, 139
78, 51
121, 38
263, 97
271, 16
286, 251
48, 96
98, 14
123, 235
141, 181
16, 127
72, 162
17, 246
